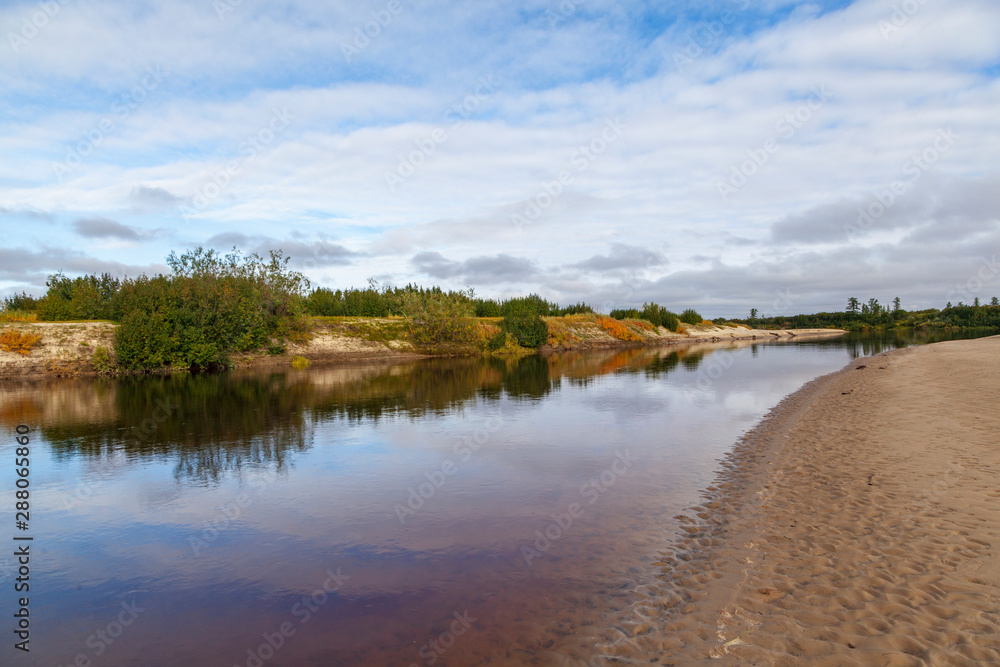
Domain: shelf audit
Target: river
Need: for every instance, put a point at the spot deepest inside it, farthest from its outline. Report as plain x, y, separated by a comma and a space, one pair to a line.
445, 512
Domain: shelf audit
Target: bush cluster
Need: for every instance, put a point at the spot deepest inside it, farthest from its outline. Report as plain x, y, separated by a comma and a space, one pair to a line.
440, 322
522, 320
210, 307
654, 314
691, 316
84, 298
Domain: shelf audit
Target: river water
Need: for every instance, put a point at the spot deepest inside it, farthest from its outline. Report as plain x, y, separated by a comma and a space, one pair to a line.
440, 512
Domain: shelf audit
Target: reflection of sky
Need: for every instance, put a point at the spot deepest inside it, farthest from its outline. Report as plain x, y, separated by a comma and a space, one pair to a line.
334, 504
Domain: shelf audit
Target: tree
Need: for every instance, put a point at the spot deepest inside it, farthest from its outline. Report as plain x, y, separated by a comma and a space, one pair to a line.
994, 302
948, 306
895, 305
753, 315
853, 304
873, 307
976, 302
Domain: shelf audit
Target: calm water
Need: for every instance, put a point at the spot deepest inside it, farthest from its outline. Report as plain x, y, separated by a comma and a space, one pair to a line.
447, 512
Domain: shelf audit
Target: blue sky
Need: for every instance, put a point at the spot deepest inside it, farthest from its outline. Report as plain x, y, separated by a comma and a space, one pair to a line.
722, 155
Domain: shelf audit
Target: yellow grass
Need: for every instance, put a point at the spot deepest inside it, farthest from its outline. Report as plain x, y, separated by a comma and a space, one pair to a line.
18, 316
15, 340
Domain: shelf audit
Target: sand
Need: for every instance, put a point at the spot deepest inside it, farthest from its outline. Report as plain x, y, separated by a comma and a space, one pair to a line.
859, 524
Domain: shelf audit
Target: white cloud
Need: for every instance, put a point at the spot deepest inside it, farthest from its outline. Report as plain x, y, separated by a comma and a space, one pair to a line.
655, 185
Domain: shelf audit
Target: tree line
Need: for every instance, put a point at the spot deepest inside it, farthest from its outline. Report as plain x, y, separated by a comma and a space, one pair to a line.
211, 306
871, 314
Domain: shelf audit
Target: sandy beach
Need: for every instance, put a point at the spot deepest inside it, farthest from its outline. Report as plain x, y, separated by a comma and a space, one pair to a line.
858, 524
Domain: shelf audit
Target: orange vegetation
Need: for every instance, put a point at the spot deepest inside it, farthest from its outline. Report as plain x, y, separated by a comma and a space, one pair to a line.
619, 330
14, 340
559, 334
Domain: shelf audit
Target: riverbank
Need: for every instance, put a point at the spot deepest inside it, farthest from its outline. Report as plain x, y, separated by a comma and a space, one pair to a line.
858, 524
74, 348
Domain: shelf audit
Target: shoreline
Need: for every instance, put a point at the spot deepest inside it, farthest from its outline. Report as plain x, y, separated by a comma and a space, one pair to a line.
67, 348
857, 524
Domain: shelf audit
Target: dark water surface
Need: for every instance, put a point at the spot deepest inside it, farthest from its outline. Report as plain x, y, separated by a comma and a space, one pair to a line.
446, 512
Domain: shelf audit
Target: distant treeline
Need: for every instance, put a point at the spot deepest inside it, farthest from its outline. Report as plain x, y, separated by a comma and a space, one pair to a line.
873, 315
375, 301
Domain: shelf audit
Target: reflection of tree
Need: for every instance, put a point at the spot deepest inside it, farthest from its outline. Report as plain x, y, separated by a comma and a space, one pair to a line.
206, 424
212, 425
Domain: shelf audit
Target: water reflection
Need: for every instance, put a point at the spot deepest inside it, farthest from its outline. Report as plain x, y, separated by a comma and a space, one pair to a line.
209, 425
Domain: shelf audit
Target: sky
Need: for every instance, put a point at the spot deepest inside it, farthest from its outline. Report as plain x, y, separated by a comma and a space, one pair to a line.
716, 154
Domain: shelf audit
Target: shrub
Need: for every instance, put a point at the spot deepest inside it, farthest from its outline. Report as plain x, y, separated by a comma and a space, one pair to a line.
531, 304
19, 302
83, 298
654, 314
438, 321
102, 361
527, 328
486, 332
15, 340
300, 363
626, 314
690, 316
498, 340
142, 341
210, 306
487, 308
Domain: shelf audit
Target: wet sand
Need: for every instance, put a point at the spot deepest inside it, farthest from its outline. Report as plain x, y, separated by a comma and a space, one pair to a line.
858, 524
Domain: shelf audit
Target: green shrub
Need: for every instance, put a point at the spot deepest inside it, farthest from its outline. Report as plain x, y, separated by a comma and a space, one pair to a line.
439, 321
83, 298
210, 307
497, 341
101, 361
527, 327
690, 316
19, 302
652, 313
142, 341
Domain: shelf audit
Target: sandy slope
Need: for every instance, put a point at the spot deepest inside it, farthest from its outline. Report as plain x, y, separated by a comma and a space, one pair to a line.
858, 525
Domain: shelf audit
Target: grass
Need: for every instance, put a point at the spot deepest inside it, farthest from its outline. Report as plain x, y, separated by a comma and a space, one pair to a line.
15, 340
18, 316
641, 324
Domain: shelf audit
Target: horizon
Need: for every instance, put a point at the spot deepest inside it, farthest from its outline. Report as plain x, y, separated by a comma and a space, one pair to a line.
713, 156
